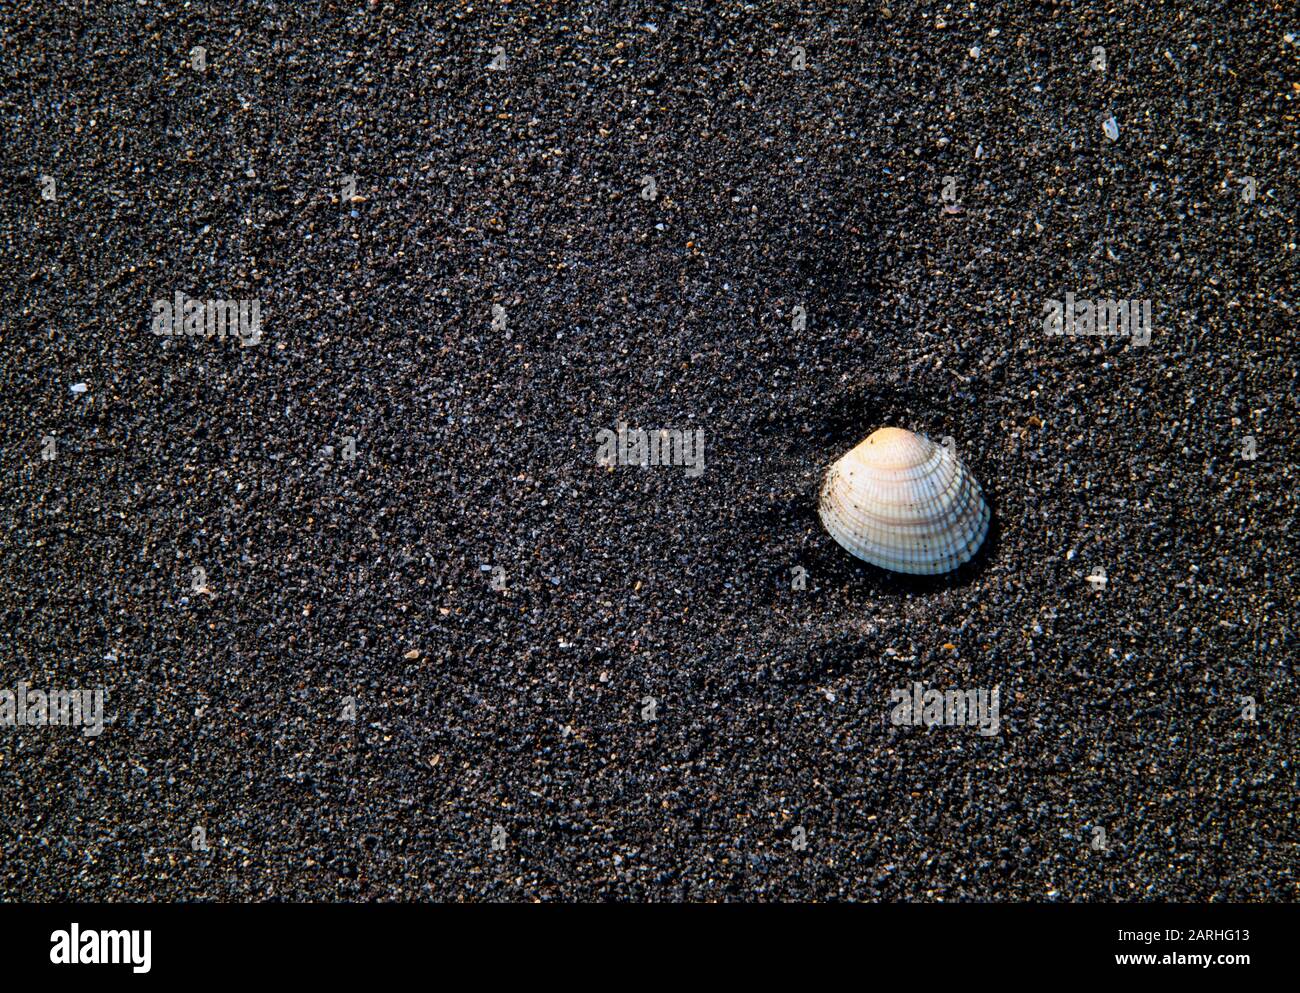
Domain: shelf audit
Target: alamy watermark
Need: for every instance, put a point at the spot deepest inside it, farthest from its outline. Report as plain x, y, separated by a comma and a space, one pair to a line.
637, 446
93, 947
1122, 318
208, 318
22, 707
919, 706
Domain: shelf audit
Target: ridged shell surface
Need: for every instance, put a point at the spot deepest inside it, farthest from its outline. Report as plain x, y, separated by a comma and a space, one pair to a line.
903, 503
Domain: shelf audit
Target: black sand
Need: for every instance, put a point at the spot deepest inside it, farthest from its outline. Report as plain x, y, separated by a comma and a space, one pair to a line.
775, 188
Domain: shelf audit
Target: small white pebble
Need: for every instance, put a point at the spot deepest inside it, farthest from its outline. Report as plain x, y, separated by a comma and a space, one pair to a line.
79, 387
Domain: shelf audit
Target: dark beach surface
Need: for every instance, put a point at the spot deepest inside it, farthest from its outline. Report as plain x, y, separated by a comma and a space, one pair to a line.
649, 709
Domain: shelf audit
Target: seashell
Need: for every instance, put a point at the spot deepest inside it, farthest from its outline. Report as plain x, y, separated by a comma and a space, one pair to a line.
903, 503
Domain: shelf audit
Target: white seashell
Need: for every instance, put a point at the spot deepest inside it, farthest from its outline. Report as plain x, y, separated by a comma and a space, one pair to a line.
903, 503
